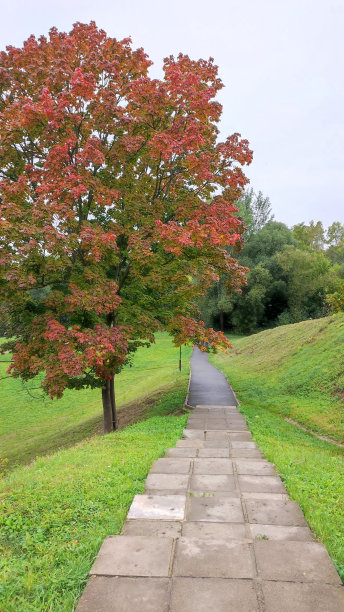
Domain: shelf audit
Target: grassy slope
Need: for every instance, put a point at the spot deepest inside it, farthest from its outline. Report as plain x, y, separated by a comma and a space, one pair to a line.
297, 371
57, 511
32, 424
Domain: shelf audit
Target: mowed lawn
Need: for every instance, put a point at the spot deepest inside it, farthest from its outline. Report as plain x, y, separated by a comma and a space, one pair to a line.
296, 371
31, 424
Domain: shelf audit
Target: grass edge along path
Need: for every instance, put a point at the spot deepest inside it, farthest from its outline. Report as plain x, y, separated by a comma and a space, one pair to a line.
56, 512
312, 471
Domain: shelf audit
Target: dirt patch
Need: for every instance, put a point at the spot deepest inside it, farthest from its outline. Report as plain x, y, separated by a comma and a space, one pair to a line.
312, 433
137, 411
339, 393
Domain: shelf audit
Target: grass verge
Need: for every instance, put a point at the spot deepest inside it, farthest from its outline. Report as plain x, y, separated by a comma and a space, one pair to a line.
56, 512
32, 425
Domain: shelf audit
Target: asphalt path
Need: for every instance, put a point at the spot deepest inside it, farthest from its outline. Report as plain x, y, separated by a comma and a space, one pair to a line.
208, 386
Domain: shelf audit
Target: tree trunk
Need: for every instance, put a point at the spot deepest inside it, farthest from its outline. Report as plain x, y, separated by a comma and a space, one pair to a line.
109, 405
222, 320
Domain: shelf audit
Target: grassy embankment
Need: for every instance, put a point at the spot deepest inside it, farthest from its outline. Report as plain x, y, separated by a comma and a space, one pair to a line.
56, 512
296, 371
31, 424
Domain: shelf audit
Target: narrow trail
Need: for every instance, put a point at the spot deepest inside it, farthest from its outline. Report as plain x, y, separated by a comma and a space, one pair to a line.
215, 528
208, 385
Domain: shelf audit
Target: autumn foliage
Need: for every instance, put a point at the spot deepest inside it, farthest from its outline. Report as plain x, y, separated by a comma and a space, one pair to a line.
116, 203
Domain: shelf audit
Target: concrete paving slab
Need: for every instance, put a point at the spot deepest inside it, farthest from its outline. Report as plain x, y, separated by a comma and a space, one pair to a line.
274, 512
295, 561
236, 420
104, 594
216, 420
170, 466
217, 494
168, 507
190, 443
193, 434
224, 509
216, 444
208, 558
133, 556
212, 466
199, 425
211, 425
216, 435
246, 453
167, 481
259, 496
214, 452
243, 444
292, 597
139, 527
212, 482
281, 532
181, 452
202, 595
163, 492
240, 435
216, 531
261, 484
220, 407
258, 468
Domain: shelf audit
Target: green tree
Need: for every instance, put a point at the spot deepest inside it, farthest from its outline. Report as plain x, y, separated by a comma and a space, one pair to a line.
264, 297
335, 242
310, 237
116, 205
309, 276
255, 210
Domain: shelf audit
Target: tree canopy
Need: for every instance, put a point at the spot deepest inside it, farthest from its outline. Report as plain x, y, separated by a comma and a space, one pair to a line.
117, 204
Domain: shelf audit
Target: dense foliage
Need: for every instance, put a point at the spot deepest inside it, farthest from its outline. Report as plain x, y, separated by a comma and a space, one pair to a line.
295, 274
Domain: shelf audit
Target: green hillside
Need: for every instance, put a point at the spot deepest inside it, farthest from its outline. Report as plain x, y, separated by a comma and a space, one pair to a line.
296, 371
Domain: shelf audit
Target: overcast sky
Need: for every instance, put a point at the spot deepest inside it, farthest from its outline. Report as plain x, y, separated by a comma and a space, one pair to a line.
280, 60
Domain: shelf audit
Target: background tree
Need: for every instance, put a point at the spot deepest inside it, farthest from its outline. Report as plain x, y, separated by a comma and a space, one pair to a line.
117, 205
309, 276
255, 210
335, 244
310, 237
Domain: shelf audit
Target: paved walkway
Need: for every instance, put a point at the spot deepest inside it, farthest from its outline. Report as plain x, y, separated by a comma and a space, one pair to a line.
208, 385
215, 531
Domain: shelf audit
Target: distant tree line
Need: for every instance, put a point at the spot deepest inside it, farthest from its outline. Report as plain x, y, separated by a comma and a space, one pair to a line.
294, 274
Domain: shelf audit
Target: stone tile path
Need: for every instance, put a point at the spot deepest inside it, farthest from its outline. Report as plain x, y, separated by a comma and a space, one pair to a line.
214, 531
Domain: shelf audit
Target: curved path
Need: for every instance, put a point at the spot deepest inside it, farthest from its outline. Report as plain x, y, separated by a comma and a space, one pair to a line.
208, 385
215, 528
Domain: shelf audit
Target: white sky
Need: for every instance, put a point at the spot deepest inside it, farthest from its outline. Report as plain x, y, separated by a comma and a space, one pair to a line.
281, 62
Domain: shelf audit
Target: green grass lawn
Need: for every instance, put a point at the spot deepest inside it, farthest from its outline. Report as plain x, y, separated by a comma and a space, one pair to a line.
56, 512
31, 424
297, 371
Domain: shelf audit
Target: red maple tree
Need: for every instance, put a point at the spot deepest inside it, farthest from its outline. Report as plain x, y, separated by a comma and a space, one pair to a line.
116, 205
